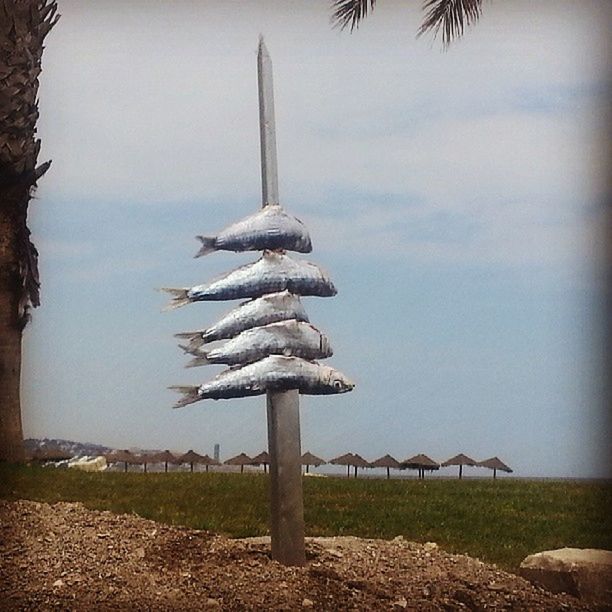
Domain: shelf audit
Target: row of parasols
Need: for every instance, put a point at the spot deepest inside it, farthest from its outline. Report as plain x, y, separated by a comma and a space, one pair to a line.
422, 463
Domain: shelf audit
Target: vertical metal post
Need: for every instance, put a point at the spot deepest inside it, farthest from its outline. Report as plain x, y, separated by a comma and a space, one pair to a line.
283, 408
267, 127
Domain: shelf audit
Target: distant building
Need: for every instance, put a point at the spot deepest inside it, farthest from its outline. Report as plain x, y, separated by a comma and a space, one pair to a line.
216, 453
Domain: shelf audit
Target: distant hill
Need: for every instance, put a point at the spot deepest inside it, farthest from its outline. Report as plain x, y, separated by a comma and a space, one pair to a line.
76, 449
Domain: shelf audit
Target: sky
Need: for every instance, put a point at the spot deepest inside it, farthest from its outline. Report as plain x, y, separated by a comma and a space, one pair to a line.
454, 197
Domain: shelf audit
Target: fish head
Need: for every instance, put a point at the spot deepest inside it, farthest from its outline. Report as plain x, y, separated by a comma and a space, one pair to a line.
339, 383
304, 244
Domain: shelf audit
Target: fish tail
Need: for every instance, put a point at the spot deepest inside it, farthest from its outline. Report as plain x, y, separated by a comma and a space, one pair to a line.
179, 298
190, 395
200, 359
195, 340
208, 245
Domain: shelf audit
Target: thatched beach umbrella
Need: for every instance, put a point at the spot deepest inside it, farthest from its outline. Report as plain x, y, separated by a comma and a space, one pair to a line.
51, 453
359, 462
494, 463
420, 462
386, 462
121, 456
262, 459
460, 460
351, 460
144, 459
164, 457
344, 460
242, 459
210, 461
191, 457
309, 459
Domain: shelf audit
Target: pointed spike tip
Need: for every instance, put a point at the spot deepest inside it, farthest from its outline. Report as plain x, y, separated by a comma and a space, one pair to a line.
262, 49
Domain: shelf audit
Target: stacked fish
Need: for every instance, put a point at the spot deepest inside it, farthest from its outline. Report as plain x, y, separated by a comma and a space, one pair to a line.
270, 344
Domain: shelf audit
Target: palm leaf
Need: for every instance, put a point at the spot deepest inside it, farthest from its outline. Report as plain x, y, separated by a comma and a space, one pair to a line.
450, 16
348, 13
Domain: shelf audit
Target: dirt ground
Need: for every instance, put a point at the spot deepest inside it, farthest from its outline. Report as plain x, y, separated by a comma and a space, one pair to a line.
66, 557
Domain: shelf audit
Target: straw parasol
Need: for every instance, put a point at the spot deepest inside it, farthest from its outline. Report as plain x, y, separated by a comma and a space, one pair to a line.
344, 460
460, 460
309, 459
144, 459
242, 459
210, 461
359, 462
262, 459
494, 463
164, 457
386, 462
121, 456
192, 457
420, 462
50, 453
351, 460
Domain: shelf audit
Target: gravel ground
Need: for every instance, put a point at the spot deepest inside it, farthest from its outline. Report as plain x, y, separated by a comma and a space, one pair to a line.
66, 557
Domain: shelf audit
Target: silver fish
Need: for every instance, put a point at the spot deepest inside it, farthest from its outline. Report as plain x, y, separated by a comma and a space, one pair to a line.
270, 228
291, 338
273, 373
271, 273
266, 309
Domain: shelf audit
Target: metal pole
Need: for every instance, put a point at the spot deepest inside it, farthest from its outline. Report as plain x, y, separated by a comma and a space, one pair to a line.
267, 127
283, 408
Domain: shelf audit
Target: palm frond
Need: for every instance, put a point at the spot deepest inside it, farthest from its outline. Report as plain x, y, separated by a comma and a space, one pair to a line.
450, 16
349, 13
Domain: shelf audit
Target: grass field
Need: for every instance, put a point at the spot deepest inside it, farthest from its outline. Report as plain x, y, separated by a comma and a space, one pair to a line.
496, 521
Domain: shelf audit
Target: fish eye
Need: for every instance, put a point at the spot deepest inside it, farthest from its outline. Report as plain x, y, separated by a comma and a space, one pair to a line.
337, 384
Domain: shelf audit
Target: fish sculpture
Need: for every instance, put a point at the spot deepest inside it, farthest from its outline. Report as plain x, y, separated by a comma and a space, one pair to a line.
271, 228
271, 273
291, 338
273, 373
263, 310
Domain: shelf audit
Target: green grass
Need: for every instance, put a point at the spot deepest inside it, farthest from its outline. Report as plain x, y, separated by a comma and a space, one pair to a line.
497, 521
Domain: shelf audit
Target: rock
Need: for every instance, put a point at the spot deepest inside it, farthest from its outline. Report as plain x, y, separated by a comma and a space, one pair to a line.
583, 572
429, 546
307, 603
58, 583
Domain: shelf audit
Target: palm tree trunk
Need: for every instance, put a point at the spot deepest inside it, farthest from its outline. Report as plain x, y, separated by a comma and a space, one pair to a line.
24, 25
11, 433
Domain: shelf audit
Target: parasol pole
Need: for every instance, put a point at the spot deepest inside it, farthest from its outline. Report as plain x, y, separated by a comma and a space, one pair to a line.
283, 409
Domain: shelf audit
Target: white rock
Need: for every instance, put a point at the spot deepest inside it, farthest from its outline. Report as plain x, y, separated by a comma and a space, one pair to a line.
87, 464
582, 572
